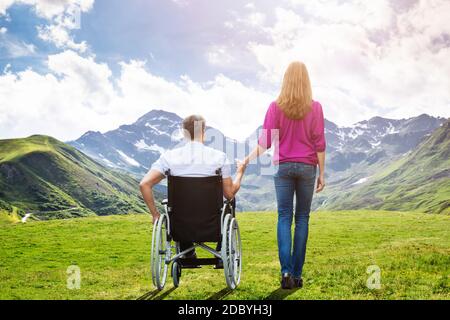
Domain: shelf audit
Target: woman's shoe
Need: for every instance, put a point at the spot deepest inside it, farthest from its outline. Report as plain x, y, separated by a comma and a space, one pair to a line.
298, 283
287, 282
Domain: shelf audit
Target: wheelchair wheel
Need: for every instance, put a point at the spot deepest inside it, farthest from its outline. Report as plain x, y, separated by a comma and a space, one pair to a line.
231, 252
176, 274
235, 252
161, 252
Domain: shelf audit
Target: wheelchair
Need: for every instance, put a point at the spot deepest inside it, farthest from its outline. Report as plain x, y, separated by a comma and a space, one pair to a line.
195, 212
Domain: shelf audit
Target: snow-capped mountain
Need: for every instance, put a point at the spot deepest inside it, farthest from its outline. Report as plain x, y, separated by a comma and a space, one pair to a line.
136, 146
375, 139
350, 150
132, 147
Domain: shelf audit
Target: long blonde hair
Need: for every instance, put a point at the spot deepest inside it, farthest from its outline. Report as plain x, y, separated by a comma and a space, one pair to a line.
296, 94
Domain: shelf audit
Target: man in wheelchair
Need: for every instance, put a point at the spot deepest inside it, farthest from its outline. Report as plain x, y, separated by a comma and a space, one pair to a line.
183, 167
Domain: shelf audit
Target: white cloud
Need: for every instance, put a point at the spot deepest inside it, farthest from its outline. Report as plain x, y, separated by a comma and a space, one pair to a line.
62, 15
70, 99
229, 25
365, 58
7, 68
181, 3
49, 9
373, 58
250, 6
79, 94
369, 14
83, 80
4, 5
11, 47
227, 104
256, 19
219, 55
247, 19
60, 37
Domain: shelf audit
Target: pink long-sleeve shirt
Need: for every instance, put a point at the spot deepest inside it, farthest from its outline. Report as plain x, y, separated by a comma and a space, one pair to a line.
298, 140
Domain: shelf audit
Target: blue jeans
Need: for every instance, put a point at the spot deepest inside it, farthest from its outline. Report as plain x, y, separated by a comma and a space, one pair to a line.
299, 179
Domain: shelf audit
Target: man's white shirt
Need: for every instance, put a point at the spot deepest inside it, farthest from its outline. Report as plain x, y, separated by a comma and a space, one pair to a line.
194, 159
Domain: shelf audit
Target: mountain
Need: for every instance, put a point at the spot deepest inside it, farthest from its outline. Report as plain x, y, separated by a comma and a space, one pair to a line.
354, 153
9, 214
132, 147
50, 179
375, 139
419, 181
135, 147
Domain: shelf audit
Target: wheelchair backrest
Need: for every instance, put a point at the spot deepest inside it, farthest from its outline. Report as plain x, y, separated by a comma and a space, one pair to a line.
194, 206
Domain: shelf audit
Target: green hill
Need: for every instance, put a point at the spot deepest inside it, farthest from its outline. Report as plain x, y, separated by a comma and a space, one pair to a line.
412, 251
9, 214
50, 179
418, 182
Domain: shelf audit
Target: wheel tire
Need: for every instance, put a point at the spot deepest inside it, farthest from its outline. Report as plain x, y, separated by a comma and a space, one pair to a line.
153, 256
226, 251
235, 252
176, 274
161, 252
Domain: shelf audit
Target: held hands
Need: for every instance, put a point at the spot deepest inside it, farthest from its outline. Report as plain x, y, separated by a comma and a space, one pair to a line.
241, 166
320, 183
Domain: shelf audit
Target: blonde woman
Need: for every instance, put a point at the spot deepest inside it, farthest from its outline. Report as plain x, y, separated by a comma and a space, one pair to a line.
296, 121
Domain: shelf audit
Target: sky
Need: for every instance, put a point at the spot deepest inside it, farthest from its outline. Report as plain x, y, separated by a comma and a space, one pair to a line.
70, 66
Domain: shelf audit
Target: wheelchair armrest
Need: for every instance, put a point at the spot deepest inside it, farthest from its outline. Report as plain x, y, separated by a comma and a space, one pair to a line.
164, 202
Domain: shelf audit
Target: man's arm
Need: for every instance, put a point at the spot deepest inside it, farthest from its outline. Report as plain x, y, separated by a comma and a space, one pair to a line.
231, 188
152, 178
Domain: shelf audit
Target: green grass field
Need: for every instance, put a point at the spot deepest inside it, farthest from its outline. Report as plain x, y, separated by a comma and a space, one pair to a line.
412, 250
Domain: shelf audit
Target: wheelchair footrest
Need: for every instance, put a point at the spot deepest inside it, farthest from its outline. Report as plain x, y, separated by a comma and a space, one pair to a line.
190, 263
